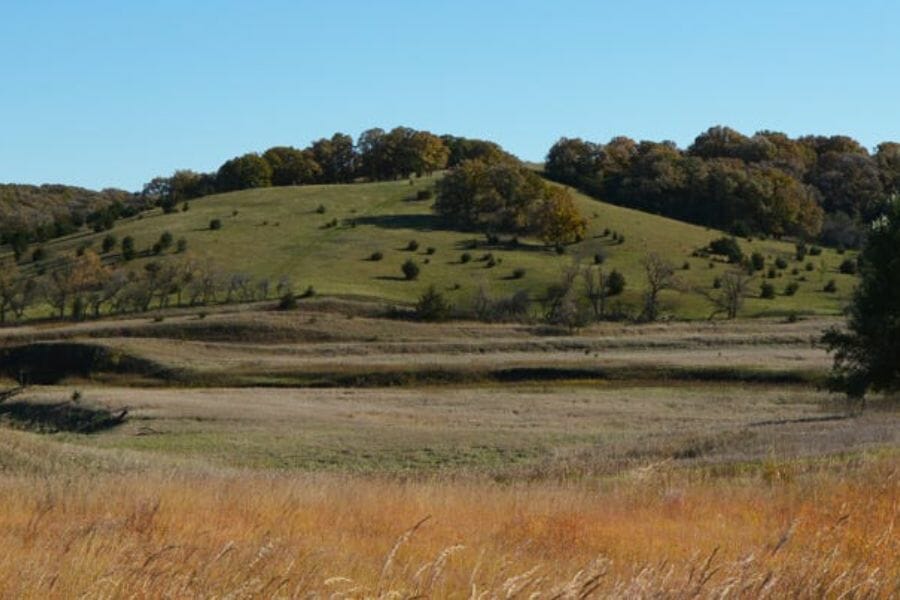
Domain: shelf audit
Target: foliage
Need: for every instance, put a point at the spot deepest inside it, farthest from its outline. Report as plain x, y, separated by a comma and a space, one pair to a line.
867, 354
410, 269
727, 247
432, 306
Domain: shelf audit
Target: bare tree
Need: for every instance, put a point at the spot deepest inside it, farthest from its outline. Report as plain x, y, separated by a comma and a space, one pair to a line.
660, 276
733, 289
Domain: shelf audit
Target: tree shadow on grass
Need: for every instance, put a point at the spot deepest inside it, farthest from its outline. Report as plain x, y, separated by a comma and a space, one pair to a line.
416, 222
63, 416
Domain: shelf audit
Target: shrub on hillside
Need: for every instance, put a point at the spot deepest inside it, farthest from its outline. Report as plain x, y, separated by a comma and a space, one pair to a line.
410, 270
288, 301
465, 257
109, 242
767, 291
128, 251
412, 246
830, 287
848, 267
791, 288
376, 256
727, 247
781, 263
215, 224
432, 306
757, 261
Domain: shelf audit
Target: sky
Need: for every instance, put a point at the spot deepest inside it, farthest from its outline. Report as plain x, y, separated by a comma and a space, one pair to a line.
113, 93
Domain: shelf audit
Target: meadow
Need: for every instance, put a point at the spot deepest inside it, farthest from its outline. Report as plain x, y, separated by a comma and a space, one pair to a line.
343, 450
324, 237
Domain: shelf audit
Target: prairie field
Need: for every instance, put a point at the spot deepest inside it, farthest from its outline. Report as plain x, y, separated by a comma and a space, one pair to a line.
332, 452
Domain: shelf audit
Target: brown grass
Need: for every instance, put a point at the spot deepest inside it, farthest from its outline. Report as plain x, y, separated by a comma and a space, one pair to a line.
827, 532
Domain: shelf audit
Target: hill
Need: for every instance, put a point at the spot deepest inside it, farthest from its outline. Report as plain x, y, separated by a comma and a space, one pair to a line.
324, 236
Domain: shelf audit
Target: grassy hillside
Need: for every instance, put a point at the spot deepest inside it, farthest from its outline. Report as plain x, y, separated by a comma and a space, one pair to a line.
281, 231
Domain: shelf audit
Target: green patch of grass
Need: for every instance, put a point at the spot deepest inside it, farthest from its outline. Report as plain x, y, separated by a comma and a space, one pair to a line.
276, 232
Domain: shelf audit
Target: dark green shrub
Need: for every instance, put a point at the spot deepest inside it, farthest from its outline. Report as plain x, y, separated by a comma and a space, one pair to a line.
432, 306
39, 254
599, 257
412, 246
615, 283
781, 263
767, 290
801, 251
181, 245
410, 270
830, 287
287, 302
465, 257
518, 273
424, 195
848, 267
757, 261
791, 288
215, 224
809, 266
686, 266
815, 251
717, 283
430, 250
109, 242
321, 209
128, 251
727, 247
309, 292
376, 256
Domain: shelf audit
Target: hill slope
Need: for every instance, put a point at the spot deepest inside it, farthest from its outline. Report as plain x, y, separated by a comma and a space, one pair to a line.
275, 232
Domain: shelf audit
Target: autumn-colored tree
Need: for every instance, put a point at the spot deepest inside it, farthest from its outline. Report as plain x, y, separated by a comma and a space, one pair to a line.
556, 219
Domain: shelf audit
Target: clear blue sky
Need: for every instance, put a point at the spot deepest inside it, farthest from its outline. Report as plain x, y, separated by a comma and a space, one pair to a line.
112, 93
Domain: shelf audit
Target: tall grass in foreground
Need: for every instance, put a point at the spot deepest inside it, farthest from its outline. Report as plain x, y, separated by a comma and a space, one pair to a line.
829, 533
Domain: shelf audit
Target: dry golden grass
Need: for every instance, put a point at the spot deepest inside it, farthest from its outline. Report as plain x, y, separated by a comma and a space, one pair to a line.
827, 532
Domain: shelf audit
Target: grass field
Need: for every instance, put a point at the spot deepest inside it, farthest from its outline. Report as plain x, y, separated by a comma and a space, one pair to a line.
329, 451
278, 232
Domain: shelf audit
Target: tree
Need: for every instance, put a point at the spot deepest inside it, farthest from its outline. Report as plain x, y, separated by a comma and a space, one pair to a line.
557, 220
732, 290
244, 172
291, 166
660, 276
867, 353
599, 287
432, 306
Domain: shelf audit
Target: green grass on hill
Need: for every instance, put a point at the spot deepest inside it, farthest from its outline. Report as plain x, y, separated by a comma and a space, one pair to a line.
278, 231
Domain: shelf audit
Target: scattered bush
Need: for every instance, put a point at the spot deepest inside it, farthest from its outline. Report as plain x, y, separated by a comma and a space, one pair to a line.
757, 261
181, 245
432, 306
809, 266
321, 209
410, 270
128, 251
686, 266
490, 263
288, 301
215, 224
39, 254
424, 195
518, 273
109, 242
412, 246
791, 288
848, 267
376, 256
599, 257
727, 247
815, 251
465, 257
309, 292
830, 287
717, 283
767, 291
772, 273
615, 283
801, 251
781, 263
430, 250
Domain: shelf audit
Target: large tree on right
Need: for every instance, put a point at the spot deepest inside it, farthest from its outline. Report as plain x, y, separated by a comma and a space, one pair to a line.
867, 352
